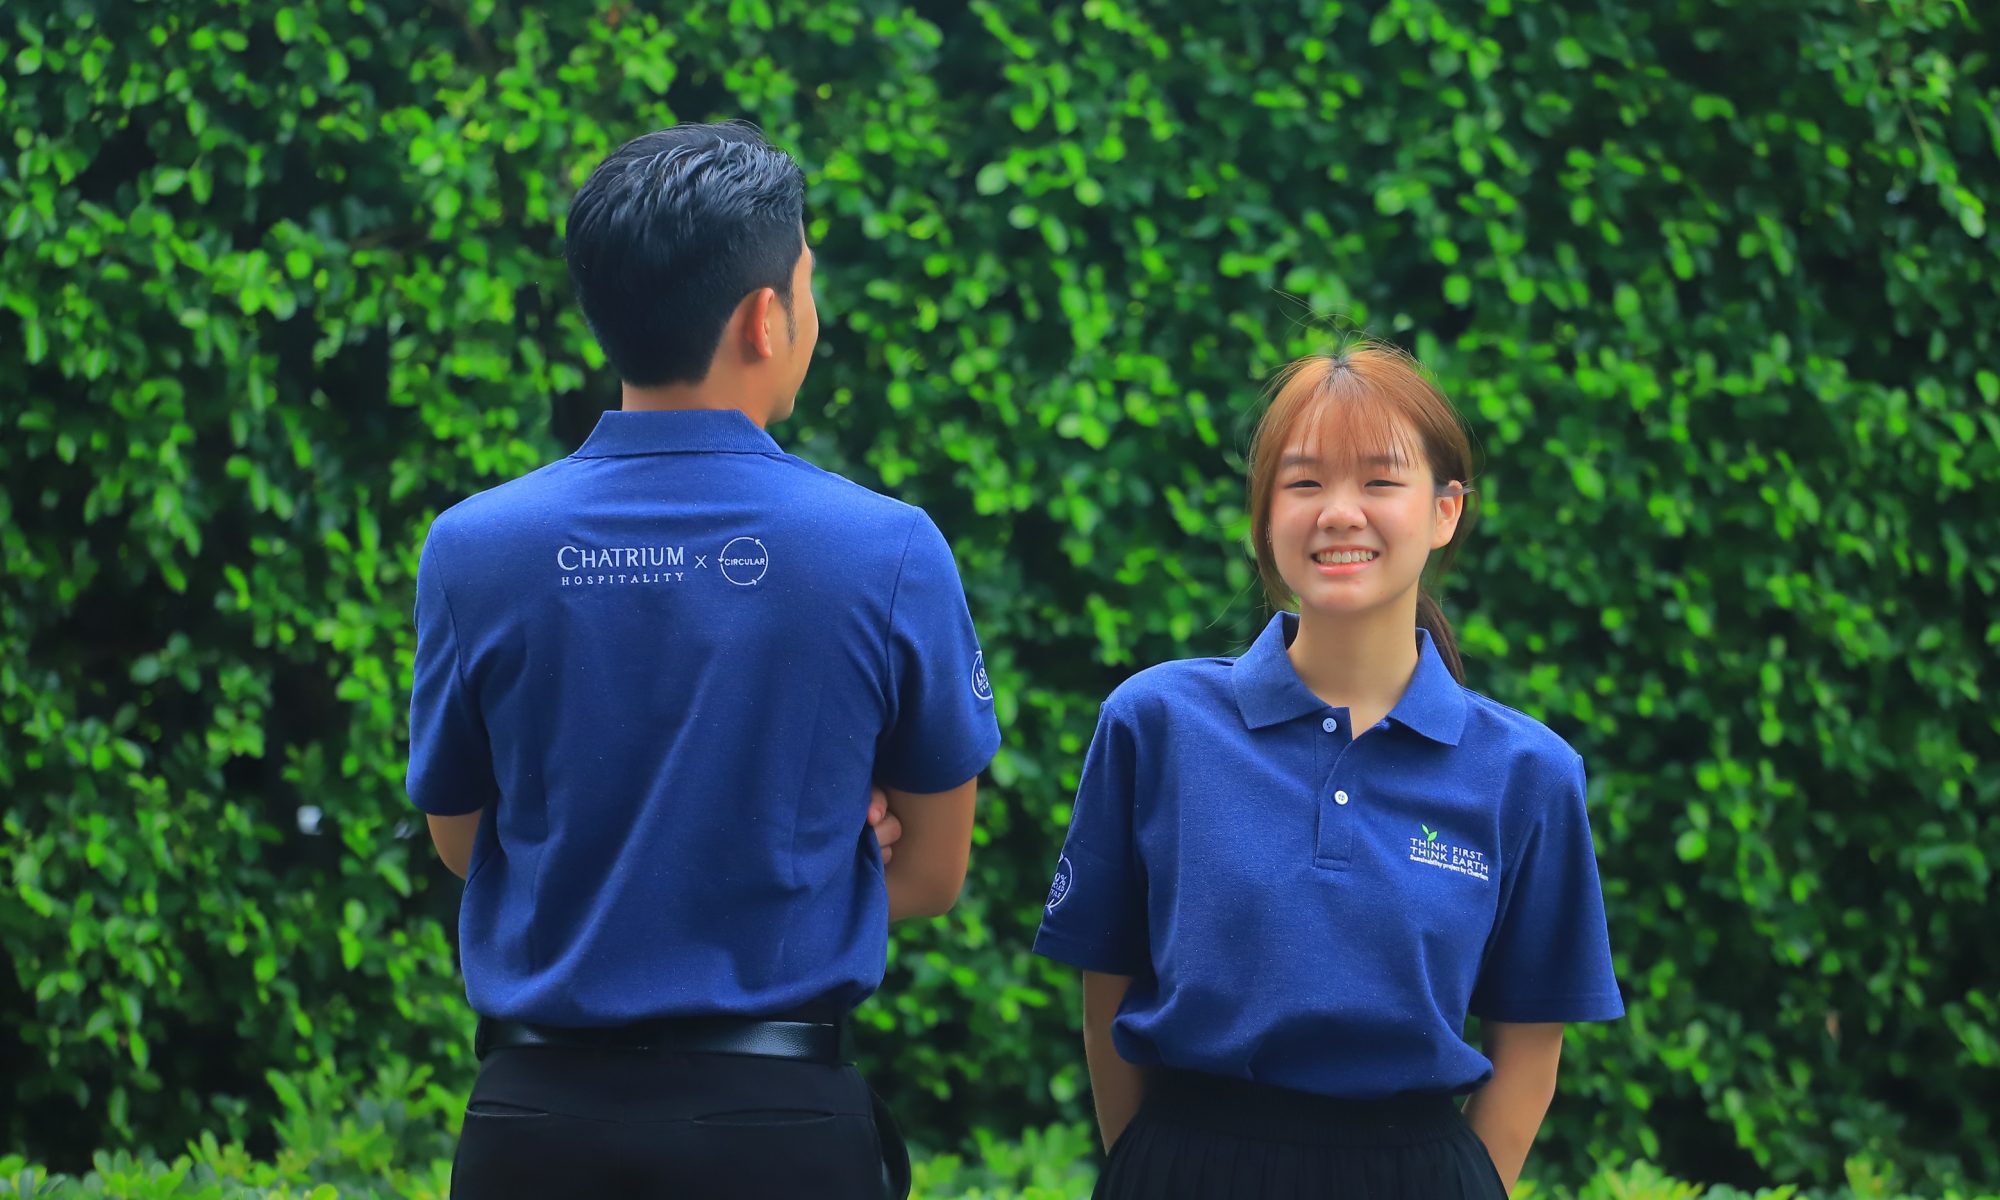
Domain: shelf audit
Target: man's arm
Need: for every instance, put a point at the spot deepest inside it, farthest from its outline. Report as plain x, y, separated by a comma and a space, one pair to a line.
928, 868
1507, 1112
453, 837
1116, 1086
888, 826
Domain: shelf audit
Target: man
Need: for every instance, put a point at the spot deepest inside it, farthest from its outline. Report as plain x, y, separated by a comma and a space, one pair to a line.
654, 681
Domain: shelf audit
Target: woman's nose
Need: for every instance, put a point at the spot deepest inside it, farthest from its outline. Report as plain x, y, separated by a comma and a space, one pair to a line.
1341, 511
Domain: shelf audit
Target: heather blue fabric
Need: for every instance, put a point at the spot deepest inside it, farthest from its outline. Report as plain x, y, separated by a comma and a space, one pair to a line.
1300, 907
668, 666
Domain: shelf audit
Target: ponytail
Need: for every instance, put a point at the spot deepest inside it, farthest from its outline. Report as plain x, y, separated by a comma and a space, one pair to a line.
1431, 618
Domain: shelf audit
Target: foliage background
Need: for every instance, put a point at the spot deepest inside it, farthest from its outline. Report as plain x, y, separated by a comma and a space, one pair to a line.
1713, 282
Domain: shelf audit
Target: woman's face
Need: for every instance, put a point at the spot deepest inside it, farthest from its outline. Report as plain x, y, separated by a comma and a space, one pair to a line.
1351, 534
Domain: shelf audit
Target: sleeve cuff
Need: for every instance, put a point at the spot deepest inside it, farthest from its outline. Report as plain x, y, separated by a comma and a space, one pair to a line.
953, 772
1062, 947
436, 805
1566, 1009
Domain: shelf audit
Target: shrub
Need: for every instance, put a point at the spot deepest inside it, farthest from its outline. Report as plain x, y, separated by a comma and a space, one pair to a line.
1713, 283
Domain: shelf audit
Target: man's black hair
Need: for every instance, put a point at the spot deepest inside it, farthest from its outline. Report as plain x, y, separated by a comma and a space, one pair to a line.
669, 234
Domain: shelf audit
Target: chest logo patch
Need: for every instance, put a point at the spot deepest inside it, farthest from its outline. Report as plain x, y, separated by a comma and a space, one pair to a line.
1432, 851
743, 561
1060, 885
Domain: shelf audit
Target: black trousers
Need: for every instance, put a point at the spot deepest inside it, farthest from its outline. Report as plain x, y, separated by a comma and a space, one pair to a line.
566, 1121
1202, 1137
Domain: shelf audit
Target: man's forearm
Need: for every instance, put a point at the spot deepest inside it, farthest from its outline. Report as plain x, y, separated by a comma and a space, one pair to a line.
454, 838
911, 894
927, 871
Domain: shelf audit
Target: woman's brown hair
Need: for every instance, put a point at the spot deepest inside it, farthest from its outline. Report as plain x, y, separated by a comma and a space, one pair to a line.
1366, 399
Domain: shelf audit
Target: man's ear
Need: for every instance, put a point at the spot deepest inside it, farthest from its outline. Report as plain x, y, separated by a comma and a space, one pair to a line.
755, 315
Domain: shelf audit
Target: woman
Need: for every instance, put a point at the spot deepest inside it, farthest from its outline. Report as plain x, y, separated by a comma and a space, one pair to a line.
1290, 876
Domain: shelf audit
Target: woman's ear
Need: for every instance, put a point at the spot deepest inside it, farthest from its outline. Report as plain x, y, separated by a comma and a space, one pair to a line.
1448, 509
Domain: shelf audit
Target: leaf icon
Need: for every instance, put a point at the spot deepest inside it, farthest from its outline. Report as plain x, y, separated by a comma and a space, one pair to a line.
1430, 835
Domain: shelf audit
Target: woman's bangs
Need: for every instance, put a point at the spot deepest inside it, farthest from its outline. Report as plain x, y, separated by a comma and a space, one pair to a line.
1351, 429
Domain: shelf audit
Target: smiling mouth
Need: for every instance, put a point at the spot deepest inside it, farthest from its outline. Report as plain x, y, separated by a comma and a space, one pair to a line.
1341, 558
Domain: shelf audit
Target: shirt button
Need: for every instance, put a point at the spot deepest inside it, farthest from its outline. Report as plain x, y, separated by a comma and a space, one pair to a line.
1340, 797
1330, 725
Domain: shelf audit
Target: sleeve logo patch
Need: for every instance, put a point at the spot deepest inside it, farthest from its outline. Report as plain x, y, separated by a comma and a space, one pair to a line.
1059, 886
982, 687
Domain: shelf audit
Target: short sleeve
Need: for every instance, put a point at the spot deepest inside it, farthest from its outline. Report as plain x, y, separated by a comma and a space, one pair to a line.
1095, 916
942, 730
451, 761
1549, 957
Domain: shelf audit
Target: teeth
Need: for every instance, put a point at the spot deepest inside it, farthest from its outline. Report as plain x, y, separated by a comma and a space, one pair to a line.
1336, 557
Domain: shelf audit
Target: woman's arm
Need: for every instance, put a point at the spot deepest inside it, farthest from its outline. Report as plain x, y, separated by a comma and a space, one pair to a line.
1116, 1086
1507, 1112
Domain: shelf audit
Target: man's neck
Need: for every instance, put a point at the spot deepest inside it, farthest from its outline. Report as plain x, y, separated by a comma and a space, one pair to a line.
707, 395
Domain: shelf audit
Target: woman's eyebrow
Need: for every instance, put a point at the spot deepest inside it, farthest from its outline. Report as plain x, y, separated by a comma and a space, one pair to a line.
1299, 458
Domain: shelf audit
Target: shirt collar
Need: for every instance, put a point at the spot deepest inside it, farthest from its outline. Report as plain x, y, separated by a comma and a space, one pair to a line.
682, 431
1269, 691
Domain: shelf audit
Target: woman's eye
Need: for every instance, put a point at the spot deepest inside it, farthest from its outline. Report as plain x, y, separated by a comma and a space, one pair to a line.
1302, 483
1383, 483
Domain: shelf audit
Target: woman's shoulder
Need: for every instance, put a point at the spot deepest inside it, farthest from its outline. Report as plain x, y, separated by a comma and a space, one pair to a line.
1501, 728
1179, 683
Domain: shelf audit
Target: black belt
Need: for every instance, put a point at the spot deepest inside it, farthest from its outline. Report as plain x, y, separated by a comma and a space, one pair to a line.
806, 1041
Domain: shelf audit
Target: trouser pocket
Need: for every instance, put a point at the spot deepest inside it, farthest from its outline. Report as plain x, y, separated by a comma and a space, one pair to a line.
895, 1153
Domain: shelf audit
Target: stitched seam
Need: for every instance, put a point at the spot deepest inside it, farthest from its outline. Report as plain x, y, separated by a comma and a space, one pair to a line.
458, 668
451, 618
895, 594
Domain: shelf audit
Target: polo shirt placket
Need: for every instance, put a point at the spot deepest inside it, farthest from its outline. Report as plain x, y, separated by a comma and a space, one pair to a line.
1334, 850
1278, 919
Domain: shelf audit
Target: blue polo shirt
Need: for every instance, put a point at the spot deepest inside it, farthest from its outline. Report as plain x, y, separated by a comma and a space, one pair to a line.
668, 667
1303, 908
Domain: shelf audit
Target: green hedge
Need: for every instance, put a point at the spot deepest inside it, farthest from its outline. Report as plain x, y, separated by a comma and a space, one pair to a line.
1013, 1172
1713, 282
394, 1143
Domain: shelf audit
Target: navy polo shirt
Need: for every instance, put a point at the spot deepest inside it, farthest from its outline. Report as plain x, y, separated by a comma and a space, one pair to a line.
1303, 908
668, 667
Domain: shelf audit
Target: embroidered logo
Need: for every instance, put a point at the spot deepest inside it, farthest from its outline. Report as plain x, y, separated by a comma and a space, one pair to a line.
1427, 849
593, 566
982, 687
743, 561
1059, 886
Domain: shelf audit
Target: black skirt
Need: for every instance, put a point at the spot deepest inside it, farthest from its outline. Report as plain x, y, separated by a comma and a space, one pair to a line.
1203, 1137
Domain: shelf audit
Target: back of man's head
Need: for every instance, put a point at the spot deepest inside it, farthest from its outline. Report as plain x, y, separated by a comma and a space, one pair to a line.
670, 233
